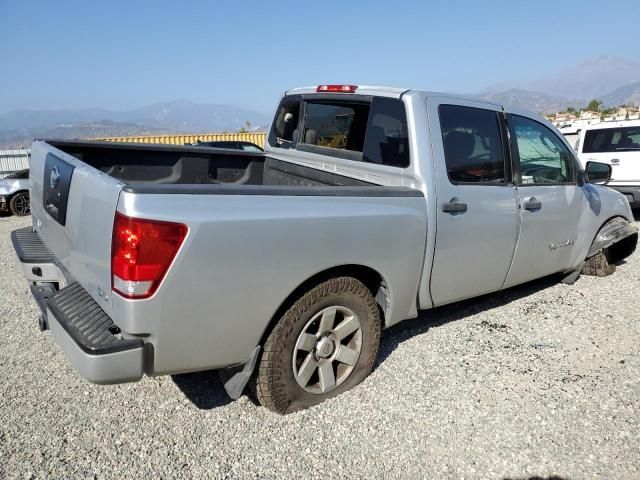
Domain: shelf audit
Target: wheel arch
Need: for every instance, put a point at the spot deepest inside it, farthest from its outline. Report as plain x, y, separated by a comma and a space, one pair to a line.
618, 249
22, 190
370, 277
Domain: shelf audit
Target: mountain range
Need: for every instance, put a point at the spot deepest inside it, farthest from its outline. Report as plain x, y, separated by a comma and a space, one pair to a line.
612, 80
18, 127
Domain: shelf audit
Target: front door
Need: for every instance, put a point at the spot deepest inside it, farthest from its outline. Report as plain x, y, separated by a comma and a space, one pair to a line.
477, 219
549, 199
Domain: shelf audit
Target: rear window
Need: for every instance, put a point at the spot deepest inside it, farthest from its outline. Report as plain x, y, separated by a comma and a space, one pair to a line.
387, 138
617, 139
373, 132
336, 125
284, 132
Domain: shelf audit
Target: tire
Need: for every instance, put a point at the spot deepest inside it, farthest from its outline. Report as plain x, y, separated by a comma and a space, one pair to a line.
313, 334
598, 266
19, 204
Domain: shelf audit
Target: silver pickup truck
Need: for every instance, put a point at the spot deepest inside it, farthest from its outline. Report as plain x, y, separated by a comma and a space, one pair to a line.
281, 268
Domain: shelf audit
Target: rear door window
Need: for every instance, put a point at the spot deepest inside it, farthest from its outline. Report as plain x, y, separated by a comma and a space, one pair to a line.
473, 148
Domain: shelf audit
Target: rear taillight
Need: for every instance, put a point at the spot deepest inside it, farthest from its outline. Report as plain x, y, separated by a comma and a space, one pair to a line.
337, 88
141, 252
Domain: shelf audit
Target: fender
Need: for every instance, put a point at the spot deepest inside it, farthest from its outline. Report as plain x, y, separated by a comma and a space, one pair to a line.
612, 232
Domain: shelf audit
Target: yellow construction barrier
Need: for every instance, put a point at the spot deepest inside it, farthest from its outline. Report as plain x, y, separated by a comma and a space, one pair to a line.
257, 138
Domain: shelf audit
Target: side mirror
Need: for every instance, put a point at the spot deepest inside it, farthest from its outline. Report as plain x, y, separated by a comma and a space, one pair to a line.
597, 173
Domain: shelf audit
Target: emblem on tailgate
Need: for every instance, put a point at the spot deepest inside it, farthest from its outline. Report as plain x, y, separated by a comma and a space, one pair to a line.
54, 178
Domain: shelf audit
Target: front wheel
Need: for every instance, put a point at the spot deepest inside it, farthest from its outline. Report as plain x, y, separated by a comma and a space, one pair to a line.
20, 205
325, 344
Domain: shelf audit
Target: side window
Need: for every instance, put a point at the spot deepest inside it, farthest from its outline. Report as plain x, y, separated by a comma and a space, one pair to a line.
339, 125
473, 149
284, 132
612, 140
541, 157
387, 138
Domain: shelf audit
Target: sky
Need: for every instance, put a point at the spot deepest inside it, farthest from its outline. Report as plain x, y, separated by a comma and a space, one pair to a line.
119, 55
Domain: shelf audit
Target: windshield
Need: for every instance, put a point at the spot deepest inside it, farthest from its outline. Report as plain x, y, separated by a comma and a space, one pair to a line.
617, 139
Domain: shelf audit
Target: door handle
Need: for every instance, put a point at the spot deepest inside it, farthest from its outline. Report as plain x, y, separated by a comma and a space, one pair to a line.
454, 206
532, 204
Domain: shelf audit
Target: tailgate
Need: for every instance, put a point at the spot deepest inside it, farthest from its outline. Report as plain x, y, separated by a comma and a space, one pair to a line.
73, 207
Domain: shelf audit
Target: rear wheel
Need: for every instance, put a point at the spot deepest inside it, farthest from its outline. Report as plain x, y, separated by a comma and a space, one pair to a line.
323, 345
20, 205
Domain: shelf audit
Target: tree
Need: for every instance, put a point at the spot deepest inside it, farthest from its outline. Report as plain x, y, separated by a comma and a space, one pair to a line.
594, 106
246, 128
571, 110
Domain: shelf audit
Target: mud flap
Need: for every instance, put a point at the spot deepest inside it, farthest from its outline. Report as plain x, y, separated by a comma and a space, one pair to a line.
234, 379
572, 276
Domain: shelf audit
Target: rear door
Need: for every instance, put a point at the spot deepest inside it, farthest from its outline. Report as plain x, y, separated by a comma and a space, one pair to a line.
549, 199
477, 219
617, 146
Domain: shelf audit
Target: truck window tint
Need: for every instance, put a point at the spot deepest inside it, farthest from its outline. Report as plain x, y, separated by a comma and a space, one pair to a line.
609, 140
472, 144
285, 126
387, 139
542, 157
336, 125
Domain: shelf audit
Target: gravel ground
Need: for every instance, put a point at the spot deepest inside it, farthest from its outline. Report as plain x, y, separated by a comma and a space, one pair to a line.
540, 380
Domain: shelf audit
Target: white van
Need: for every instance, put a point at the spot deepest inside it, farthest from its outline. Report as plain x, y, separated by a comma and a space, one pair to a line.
618, 144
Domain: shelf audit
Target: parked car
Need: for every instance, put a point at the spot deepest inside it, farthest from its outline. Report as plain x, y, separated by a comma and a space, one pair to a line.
246, 146
616, 144
14, 193
283, 267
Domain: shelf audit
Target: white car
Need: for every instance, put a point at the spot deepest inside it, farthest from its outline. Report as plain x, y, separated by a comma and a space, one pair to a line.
617, 144
14, 193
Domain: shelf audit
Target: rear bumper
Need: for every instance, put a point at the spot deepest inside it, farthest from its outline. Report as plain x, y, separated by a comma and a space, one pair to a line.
90, 340
632, 193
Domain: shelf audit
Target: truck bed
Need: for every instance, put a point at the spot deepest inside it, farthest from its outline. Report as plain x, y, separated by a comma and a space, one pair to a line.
142, 164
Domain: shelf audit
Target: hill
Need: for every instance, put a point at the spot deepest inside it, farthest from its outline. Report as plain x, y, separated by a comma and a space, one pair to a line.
591, 79
536, 102
625, 95
20, 127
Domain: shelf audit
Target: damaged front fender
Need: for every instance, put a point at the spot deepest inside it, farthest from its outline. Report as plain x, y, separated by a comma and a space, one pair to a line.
618, 233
